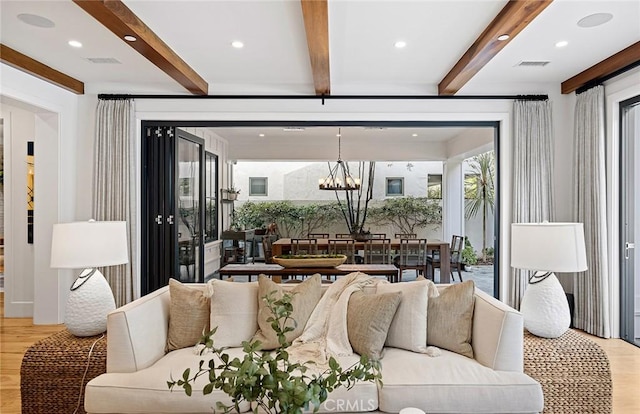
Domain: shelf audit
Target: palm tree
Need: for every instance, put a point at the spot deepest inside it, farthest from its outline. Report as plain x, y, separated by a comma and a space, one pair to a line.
480, 191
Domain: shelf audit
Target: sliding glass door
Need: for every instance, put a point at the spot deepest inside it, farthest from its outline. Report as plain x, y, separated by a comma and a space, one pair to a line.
630, 219
173, 213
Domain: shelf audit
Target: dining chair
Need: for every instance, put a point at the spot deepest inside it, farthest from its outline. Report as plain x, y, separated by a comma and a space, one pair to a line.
304, 246
318, 235
343, 236
378, 236
377, 251
343, 246
413, 253
405, 236
455, 249
267, 247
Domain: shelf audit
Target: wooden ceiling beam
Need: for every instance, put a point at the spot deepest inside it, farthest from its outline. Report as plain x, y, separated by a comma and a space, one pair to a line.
316, 24
625, 58
118, 18
31, 66
511, 20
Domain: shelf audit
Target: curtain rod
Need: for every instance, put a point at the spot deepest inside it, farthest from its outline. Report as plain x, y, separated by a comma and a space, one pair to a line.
326, 97
599, 81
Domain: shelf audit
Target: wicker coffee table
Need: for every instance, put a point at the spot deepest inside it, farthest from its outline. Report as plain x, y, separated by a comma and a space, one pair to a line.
52, 371
573, 371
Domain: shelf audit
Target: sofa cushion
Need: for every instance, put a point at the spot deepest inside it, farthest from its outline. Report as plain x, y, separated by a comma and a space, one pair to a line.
368, 320
408, 328
305, 298
188, 315
234, 310
146, 391
452, 383
450, 318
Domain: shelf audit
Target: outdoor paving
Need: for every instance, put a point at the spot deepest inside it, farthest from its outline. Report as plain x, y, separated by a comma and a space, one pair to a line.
482, 276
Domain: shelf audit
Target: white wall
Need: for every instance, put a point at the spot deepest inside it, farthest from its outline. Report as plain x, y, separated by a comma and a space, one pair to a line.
56, 124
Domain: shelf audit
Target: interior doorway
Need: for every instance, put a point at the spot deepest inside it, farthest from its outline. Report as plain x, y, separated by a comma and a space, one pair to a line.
630, 219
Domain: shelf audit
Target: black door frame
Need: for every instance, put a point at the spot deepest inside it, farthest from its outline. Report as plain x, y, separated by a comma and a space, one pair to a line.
158, 193
627, 226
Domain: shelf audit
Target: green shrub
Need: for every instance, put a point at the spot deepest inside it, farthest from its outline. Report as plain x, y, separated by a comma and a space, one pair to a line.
469, 256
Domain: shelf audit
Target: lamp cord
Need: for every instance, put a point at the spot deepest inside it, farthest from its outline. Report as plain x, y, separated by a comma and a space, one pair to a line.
533, 279
84, 376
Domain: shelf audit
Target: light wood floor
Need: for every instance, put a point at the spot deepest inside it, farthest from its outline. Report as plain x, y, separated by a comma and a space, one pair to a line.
17, 334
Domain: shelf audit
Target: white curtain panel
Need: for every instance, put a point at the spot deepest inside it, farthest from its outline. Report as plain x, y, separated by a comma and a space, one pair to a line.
114, 185
532, 175
591, 288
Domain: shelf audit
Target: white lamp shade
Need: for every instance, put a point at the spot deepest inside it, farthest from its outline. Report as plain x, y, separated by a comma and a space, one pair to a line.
548, 247
89, 244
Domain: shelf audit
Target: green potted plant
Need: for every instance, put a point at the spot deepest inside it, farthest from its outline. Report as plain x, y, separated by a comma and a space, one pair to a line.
230, 193
269, 380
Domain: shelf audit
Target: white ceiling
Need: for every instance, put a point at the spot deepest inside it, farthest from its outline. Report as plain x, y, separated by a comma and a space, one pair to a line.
362, 33
363, 59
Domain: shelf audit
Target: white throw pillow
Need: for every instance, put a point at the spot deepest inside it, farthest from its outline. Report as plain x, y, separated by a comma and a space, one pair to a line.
234, 310
408, 328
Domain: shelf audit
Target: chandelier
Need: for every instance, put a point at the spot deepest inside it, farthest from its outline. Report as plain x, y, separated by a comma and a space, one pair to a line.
339, 177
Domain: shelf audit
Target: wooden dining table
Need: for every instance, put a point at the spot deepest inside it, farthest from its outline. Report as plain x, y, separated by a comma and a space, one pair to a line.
283, 246
277, 272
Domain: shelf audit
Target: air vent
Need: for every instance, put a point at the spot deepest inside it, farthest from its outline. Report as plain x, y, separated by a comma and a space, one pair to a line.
293, 129
375, 128
533, 63
108, 60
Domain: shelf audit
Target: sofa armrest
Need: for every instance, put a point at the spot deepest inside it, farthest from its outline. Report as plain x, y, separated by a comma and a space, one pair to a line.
137, 332
497, 337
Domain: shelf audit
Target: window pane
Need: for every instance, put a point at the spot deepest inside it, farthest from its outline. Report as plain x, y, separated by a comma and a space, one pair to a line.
395, 186
257, 186
434, 186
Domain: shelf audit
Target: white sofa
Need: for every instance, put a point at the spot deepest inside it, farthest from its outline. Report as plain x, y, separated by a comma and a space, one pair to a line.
492, 382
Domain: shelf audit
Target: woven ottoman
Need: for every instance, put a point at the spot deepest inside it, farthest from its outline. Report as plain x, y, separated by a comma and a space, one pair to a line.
56, 369
573, 371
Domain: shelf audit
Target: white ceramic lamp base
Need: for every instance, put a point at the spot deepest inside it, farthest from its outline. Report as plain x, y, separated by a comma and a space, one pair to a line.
90, 300
545, 309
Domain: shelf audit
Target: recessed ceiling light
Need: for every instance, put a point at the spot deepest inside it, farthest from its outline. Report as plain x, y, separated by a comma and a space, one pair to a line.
35, 20
562, 43
400, 44
338, 134
414, 135
503, 37
75, 43
237, 44
594, 20
130, 38
261, 135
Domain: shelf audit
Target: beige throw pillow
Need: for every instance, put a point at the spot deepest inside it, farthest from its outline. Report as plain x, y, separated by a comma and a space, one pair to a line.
234, 310
368, 320
188, 315
450, 318
305, 298
408, 328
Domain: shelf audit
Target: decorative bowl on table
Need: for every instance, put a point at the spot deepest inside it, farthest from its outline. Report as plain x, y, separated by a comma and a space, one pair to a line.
310, 260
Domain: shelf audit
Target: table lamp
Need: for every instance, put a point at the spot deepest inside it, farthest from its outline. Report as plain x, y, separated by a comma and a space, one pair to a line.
546, 248
89, 245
